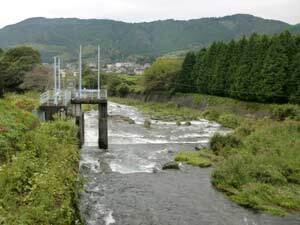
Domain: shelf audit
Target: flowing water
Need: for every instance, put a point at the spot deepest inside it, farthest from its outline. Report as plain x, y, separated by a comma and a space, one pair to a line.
125, 186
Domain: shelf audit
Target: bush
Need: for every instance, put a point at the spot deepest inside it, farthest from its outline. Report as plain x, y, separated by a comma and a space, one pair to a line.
40, 185
243, 131
122, 90
112, 85
211, 114
219, 142
13, 123
229, 120
282, 112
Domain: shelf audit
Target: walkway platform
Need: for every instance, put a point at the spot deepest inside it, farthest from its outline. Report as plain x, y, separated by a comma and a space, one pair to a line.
69, 103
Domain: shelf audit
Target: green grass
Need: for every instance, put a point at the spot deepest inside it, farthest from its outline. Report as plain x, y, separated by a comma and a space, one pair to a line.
39, 180
14, 121
193, 158
264, 172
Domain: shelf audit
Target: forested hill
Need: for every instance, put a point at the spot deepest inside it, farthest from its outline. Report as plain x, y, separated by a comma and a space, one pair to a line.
120, 40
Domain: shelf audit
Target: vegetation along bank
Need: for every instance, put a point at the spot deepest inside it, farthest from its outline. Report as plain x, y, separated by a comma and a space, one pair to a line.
257, 165
39, 166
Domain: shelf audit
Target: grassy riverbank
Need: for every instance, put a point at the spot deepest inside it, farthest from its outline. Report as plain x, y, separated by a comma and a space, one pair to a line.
161, 111
258, 165
39, 168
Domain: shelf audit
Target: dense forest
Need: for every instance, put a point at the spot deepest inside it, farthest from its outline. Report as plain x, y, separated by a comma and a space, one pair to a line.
258, 68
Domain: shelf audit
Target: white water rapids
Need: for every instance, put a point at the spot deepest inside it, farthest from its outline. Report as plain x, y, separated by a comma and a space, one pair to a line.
126, 186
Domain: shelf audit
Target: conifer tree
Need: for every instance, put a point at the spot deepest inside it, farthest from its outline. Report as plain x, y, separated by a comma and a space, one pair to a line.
274, 73
185, 82
295, 81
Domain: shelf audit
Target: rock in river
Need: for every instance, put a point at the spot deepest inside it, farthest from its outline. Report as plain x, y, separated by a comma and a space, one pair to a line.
170, 166
147, 124
188, 123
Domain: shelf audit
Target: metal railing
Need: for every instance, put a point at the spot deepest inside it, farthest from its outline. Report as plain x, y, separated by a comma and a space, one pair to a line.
91, 94
64, 97
56, 98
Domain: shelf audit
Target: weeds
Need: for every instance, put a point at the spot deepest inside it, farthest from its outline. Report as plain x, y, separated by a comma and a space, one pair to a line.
193, 158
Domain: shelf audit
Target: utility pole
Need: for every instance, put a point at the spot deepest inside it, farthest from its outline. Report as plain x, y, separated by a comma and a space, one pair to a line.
99, 72
59, 83
54, 74
80, 70
55, 80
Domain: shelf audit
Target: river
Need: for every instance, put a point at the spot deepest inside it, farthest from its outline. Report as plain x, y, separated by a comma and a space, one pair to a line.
126, 186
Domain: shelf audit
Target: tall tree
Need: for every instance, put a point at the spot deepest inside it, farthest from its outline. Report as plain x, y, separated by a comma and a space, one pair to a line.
17, 62
185, 82
274, 73
294, 81
198, 72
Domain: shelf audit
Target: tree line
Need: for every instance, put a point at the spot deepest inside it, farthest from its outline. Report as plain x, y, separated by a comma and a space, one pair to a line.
259, 68
15, 65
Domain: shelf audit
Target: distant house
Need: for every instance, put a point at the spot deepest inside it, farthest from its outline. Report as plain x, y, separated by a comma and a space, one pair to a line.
129, 68
139, 71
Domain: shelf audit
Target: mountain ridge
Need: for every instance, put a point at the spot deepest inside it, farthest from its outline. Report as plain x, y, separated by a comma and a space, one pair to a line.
122, 40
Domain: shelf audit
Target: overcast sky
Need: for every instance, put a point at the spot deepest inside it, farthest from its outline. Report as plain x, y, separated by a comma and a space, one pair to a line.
13, 11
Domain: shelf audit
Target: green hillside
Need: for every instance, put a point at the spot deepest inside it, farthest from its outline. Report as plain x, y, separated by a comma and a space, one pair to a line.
121, 40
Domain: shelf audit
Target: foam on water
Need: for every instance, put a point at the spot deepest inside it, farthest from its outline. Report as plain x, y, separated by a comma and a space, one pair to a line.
109, 219
115, 167
92, 163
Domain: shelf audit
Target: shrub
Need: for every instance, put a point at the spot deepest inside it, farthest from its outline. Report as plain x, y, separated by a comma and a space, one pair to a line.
13, 123
281, 112
219, 142
122, 90
26, 104
40, 185
229, 120
211, 114
243, 131
112, 85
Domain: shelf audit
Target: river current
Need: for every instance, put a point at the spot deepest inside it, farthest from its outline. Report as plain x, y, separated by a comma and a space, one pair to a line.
126, 186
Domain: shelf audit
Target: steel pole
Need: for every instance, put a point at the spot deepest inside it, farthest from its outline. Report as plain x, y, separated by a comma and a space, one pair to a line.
59, 82
80, 70
99, 71
54, 74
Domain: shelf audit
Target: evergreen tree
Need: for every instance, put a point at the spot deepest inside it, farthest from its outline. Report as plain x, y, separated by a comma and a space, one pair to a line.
219, 71
185, 82
274, 73
295, 81
199, 72
240, 82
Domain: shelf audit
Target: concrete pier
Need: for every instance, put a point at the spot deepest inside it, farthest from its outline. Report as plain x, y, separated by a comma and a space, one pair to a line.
79, 120
102, 126
50, 110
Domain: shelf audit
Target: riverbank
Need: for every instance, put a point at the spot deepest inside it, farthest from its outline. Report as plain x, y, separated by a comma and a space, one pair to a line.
39, 166
257, 165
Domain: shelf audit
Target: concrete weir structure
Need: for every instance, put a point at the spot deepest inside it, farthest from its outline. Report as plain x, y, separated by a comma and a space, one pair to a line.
68, 101
102, 118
